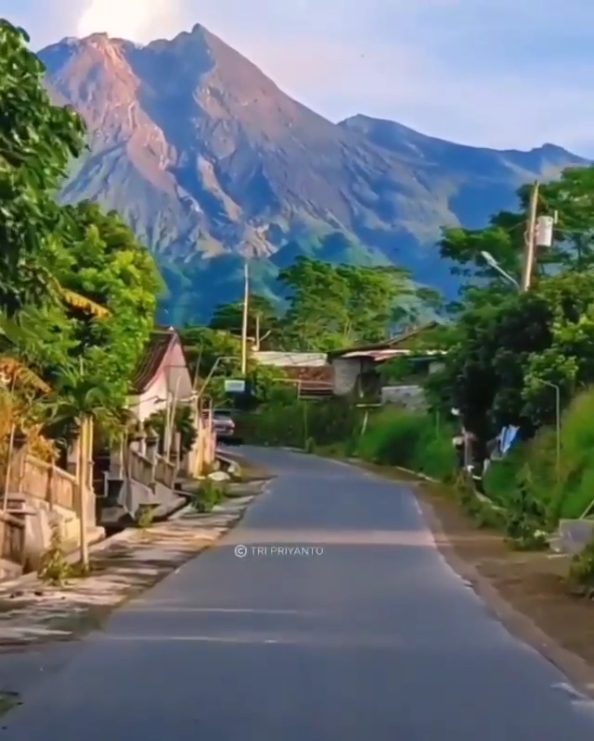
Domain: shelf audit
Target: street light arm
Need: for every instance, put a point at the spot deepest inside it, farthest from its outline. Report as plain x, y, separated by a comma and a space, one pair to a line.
208, 378
492, 263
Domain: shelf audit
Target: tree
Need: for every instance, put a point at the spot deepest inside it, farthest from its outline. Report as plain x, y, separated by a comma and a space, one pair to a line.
331, 306
106, 264
215, 355
78, 289
211, 350
571, 196
183, 423
263, 322
506, 355
37, 141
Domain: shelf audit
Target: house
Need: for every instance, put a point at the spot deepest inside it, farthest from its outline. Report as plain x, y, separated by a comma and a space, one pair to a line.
144, 471
162, 376
310, 372
356, 369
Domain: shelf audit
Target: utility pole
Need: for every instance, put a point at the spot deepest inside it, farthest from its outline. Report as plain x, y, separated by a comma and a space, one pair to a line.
244, 328
257, 347
530, 249
83, 487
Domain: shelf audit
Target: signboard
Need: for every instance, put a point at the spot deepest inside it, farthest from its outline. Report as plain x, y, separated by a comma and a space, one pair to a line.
234, 386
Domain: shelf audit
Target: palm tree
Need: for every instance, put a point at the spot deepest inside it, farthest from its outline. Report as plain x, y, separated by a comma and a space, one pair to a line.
27, 342
77, 301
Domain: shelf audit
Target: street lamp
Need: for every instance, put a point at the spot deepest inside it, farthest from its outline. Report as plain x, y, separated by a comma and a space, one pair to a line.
557, 424
492, 263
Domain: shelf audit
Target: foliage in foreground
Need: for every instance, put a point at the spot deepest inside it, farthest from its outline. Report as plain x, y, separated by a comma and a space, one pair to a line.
563, 493
286, 421
209, 495
581, 572
77, 291
54, 567
410, 440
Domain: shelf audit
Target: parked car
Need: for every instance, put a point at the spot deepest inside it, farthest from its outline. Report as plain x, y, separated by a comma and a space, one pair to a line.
224, 426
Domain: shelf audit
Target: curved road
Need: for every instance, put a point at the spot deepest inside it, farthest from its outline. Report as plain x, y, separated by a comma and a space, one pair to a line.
362, 632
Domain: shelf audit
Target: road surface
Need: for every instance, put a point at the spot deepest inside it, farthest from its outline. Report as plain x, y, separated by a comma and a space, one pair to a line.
357, 629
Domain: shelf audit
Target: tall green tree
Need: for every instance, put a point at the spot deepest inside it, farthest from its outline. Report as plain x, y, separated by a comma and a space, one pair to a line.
571, 196
74, 274
262, 320
105, 263
215, 355
331, 306
37, 141
507, 355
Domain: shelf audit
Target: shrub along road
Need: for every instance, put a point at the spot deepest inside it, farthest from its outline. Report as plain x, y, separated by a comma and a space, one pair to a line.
354, 627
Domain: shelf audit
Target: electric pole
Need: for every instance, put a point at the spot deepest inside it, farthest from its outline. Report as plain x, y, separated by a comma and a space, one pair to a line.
244, 328
530, 244
257, 348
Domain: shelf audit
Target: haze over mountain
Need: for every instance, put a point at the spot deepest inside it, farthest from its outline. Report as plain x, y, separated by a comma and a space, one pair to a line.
208, 161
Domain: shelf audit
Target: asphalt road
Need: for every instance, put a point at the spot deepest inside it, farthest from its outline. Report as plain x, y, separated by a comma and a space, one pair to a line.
361, 632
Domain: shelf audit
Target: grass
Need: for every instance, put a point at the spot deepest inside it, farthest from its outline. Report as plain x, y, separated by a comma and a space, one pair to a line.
564, 493
411, 440
208, 495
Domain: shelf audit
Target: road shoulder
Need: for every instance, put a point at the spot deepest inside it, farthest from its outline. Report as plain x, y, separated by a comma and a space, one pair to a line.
524, 590
33, 613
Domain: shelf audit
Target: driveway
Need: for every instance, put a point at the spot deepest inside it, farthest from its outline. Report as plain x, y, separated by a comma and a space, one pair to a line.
340, 623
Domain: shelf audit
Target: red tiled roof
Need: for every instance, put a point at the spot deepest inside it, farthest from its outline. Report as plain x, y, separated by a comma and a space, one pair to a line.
152, 359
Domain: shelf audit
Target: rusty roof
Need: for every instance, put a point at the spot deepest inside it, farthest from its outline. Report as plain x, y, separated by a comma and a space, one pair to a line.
317, 374
152, 359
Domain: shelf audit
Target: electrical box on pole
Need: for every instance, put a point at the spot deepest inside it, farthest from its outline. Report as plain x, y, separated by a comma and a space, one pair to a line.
544, 231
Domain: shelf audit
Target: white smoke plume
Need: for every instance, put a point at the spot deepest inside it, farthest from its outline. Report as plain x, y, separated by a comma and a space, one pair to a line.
135, 20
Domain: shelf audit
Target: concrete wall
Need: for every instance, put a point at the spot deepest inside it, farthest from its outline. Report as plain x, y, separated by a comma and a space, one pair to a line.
346, 373
153, 400
436, 366
38, 528
408, 397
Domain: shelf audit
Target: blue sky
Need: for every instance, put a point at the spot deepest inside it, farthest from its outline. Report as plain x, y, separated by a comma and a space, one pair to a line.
501, 73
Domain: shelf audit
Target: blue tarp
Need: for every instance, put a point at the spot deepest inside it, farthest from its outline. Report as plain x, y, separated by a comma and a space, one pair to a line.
506, 438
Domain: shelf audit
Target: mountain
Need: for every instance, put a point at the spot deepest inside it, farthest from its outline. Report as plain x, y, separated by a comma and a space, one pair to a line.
209, 161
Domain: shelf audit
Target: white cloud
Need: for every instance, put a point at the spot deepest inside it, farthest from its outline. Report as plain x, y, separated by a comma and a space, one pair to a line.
135, 20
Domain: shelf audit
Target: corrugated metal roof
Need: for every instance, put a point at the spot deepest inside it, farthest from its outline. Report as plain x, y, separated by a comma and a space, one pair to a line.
290, 359
388, 344
380, 355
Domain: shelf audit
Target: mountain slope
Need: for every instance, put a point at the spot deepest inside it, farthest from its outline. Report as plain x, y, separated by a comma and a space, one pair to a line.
205, 156
478, 177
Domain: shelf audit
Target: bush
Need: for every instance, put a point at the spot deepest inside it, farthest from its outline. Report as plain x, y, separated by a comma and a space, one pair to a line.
145, 516
581, 572
302, 424
209, 495
566, 495
54, 568
526, 516
575, 490
410, 440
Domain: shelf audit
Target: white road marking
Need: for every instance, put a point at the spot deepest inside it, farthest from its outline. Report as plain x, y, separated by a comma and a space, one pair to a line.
148, 607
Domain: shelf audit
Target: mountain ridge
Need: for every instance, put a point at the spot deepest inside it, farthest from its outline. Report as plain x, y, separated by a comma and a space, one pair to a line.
206, 157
